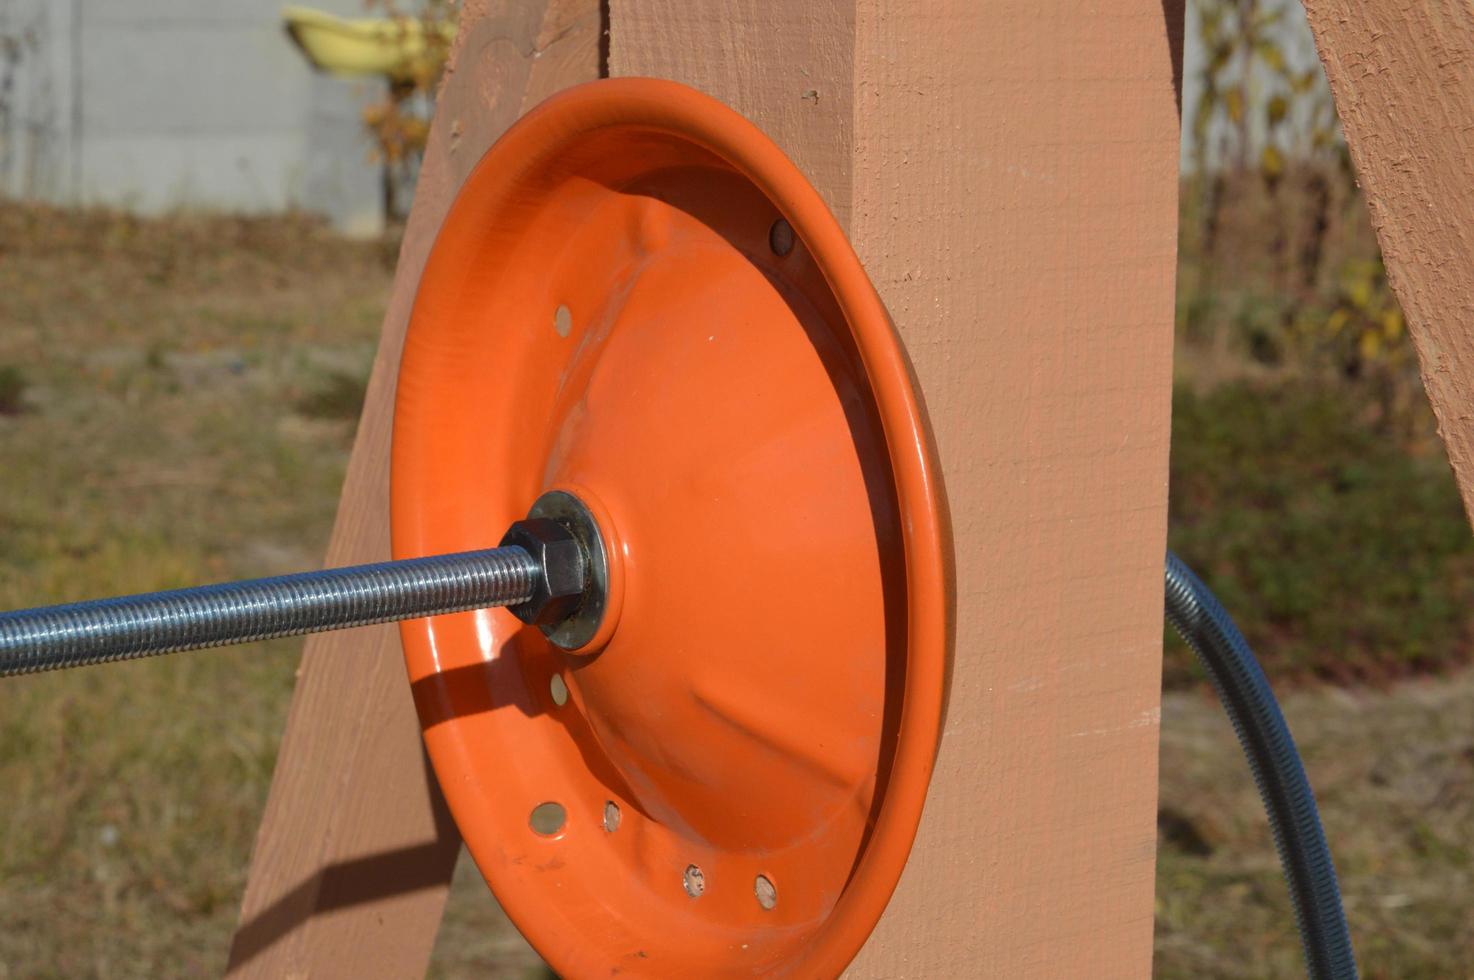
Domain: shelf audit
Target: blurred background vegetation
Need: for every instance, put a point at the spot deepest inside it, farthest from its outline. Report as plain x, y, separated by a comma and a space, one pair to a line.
1310, 489
1308, 482
398, 122
177, 402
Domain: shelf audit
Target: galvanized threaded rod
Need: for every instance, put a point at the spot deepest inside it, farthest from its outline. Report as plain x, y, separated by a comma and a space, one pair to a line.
128, 627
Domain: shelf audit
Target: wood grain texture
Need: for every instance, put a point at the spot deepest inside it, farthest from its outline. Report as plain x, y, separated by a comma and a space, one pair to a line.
1008, 173
356, 848
787, 66
1402, 73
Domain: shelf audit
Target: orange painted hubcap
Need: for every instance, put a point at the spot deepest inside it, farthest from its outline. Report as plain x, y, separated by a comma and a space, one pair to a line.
636, 298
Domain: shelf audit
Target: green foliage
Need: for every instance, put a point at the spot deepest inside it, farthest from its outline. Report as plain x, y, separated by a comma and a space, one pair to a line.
1341, 553
337, 395
1366, 327
12, 390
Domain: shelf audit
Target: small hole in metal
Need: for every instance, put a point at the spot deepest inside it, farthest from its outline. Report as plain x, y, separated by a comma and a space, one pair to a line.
547, 818
767, 895
558, 688
694, 881
611, 816
780, 237
563, 321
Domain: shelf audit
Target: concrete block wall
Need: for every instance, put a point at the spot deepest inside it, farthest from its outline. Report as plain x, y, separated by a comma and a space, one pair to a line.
154, 105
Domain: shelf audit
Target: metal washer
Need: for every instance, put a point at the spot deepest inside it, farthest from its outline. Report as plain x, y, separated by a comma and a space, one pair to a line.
576, 631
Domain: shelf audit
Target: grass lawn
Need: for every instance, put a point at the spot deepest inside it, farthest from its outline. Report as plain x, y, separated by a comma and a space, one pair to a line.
177, 402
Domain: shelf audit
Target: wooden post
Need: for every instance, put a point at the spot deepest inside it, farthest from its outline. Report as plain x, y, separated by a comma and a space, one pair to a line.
1008, 174
356, 848
1402, 73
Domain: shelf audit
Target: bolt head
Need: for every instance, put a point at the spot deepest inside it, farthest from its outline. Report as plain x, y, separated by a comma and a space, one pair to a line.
558, 587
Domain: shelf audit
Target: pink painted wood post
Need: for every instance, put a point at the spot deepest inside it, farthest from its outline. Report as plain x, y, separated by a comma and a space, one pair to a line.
1008, 174
356, 848
1402, 73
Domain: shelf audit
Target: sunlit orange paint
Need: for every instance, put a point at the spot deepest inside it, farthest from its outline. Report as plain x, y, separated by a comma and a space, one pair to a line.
767, 697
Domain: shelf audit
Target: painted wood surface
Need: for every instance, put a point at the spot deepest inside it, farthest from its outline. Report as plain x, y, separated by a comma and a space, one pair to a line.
1402, 73
1008, 173
356, 848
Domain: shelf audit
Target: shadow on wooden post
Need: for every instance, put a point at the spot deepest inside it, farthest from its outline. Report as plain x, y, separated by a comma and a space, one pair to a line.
348, 883
356, 849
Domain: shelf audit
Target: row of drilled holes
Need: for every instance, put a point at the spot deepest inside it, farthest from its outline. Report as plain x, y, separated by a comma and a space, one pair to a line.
548, 818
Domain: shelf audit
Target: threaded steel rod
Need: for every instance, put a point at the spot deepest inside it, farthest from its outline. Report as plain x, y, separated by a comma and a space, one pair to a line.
128, 627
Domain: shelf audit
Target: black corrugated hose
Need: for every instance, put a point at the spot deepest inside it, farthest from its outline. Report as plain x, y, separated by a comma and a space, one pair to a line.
1197, 615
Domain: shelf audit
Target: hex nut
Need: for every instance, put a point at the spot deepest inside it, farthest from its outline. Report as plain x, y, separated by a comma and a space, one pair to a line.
558, 588
575, 632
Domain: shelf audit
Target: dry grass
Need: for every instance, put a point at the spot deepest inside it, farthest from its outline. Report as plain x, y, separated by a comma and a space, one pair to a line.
1394, 774
181, 416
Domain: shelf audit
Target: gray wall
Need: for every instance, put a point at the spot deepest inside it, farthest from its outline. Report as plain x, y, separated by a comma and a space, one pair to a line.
160, 104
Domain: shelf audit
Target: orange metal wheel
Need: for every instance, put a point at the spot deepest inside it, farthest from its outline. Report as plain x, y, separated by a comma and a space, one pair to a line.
638, 299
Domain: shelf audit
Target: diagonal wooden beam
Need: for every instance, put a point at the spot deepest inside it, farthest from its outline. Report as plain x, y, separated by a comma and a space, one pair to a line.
356, 849
1402, 73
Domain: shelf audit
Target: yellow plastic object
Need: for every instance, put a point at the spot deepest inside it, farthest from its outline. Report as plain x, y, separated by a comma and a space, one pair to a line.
393, 47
